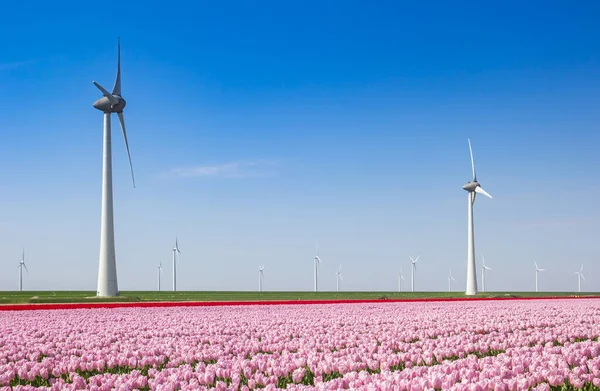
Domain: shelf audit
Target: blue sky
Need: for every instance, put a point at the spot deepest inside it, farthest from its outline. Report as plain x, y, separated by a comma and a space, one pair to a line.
256, 131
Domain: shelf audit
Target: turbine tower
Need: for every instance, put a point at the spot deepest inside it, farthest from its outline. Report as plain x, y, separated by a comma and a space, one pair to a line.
108, 104
400, 278
472, 188
317, 261
412, 274
537, 270
450, 279
260, 277
338, 277
160, 272
483, 269
176, 253
21, 266
579, 278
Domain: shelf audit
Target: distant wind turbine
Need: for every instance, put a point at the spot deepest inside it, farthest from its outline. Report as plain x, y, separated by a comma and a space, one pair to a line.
473, 188
317, 261
400, 279
160, 272
579, 278
176, 253
21, 266
260, 277
412, 274
537, 270
483, 269
108, 104
450, 279
338, 277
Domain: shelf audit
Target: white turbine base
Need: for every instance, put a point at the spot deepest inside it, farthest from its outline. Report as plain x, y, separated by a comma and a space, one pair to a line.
471, 267
107, 268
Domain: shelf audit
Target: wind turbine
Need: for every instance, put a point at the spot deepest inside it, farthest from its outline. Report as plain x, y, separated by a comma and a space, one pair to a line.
412, 274
21, 266
317, 261
338, 276
260, 277
579, 277
175, 256
450, 279
108, 104
483, 269
537, 270
160, 272
400, 278
472, 188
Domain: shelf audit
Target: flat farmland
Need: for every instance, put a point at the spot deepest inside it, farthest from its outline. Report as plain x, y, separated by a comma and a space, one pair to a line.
463, 345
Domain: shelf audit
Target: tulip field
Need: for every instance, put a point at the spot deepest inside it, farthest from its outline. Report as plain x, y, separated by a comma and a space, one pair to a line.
462, 345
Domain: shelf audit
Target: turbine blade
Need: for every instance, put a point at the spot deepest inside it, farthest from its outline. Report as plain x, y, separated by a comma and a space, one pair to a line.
122, 120
117, 87
111, 99
341, 278
177, 245
25, 266
472, 161
479, 190
580, 270
582, 277
535, 263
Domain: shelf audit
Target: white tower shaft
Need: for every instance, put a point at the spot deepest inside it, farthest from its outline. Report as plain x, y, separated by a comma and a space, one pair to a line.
20, 277
107, 271
159, 279
471, 267
412, 278
483, 278
337, 282
174, 271
316, 274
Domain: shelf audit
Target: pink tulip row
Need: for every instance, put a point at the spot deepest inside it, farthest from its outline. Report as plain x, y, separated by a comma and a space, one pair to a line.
389, 346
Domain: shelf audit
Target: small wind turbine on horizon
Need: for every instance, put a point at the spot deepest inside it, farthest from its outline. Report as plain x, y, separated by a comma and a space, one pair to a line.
537, 270
338, 277
317, 261
21, 266
160, 272
450, 279
108, 104
260, 277
176, 253
412, 274
579, 278
472, 188
483, 269
400, 279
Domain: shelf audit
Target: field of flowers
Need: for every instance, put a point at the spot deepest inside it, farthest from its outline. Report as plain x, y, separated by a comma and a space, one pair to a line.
482, 345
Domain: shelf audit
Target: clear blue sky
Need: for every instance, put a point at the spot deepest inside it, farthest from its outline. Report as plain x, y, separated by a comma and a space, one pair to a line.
256, 131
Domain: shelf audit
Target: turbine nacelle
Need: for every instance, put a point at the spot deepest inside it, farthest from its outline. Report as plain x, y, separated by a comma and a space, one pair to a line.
105, 105
471, 186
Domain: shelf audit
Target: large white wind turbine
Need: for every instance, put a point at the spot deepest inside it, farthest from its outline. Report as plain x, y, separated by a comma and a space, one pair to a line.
176, 253
400, 279
483, 269
317, 261
412, 274
21, 266
450, 279
472, 188
537, 270
108, 104
338, 277
579, 278
260, 277
160, 272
